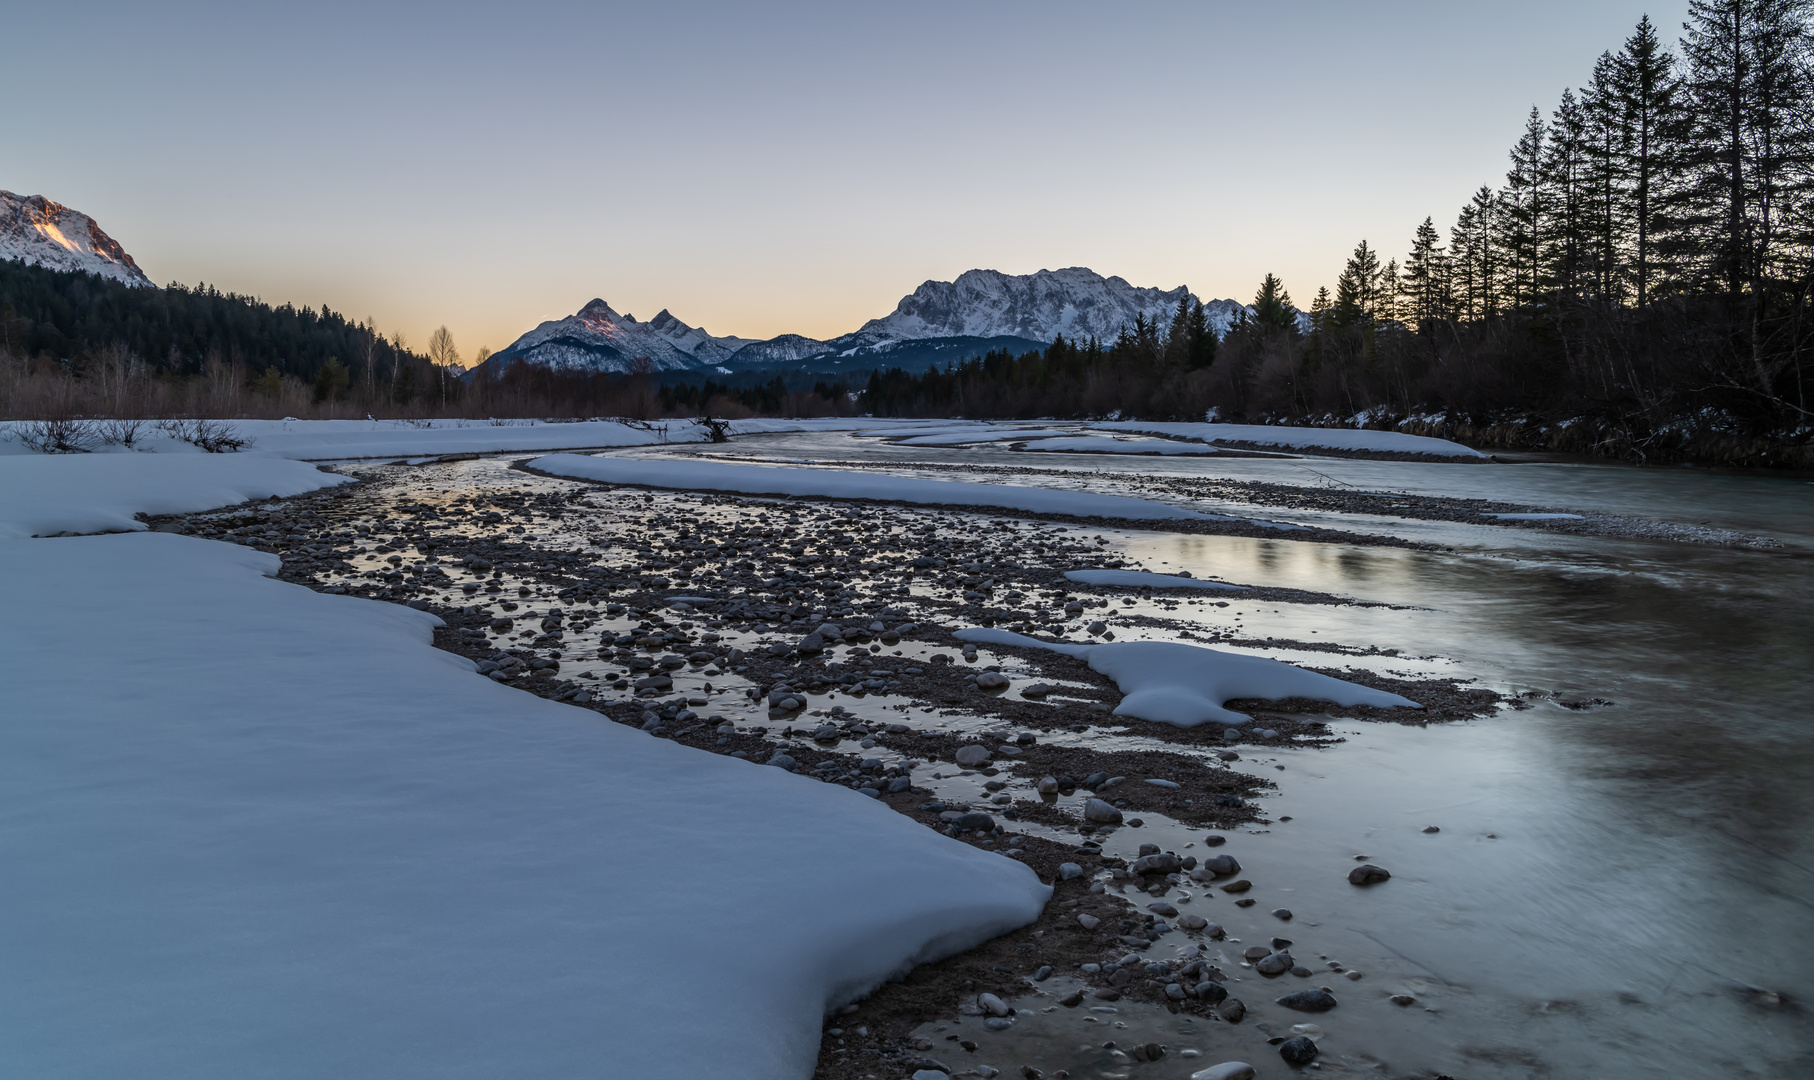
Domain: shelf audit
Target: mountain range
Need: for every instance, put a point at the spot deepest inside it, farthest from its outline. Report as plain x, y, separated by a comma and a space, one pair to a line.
39, 232
941, 321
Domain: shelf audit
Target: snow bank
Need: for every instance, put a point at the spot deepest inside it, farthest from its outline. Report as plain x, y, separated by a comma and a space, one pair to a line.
834, 484
1296, 438
1097, 444
1535, 517
1134, 579
961, 438
43, 495
1185, 685
252, 830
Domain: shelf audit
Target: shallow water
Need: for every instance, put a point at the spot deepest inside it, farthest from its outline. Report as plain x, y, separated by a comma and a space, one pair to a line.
1610, 885
1651, 862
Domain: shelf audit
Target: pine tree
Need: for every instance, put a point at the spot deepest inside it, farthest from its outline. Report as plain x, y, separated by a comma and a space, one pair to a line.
1201, 337
1464, 264
1564, 236
1357, 289
1604, 146
1272, 305
1644, 78
1423, 278
1522, 216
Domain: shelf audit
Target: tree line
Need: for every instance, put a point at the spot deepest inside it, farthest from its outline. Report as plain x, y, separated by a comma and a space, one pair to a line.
1639, 283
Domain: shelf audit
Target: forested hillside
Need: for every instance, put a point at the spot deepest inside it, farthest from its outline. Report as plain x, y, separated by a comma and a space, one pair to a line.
1638, 284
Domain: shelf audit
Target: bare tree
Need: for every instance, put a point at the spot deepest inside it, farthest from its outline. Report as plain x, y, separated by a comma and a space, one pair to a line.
443, 354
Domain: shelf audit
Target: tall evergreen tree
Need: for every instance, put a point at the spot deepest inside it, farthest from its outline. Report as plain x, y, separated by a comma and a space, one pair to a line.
1357, 289
1424, 278
1272, 305
1522, 216
1644, 78
1564, 236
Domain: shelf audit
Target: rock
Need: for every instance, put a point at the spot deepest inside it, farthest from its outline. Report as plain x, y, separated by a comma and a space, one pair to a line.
1228, 1070
1095, 780
1431, 829
1282, 913
1048, 785
1096, 628
1309, 1001
1067, 871
810, 645
1101, 813
1088, 922
1162, 908
975, 822
1192, 922
998, 1023
992, 680
1255, 952
993, 1005
654, 682
1164, 863
1221, 865
781, 760
827, 733
930, 1074
1231, 1010
1298, 1051
971, 756
1276, 964
1210, 991
1402, 1000
1368, 874
1164, 783
1044, 973
1240, 886
1214, 840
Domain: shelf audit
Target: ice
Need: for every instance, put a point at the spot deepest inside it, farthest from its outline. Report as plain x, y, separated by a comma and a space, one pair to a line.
1301, 438
254, 830
836, 484
1134, 579
1185, 685
1535, 517
960, 438
43, 495
1096, 444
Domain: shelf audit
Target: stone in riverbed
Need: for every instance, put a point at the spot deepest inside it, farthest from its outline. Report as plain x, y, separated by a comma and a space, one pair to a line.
975, 822
1227, 1070
992, 680
1368, 874
1309, 1001
1276, 964
1298, 1051
1192, 922
1088, 922
993, 1005
1067, 871
971, 756
1100, 812
1231, 1010
1221, 865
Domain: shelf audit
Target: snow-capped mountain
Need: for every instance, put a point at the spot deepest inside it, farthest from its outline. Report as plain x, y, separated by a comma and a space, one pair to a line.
1076, 302
939, 322
43, 233
596, 338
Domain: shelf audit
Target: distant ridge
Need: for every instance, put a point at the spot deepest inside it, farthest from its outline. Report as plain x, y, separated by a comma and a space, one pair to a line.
39, 232
939, 322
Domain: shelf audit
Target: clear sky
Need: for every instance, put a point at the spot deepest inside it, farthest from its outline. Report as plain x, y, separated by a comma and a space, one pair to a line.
761, 169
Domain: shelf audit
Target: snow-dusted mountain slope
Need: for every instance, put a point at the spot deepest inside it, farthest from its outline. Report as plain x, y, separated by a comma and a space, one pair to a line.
1076, 302
596, 338
43, 233
939, 322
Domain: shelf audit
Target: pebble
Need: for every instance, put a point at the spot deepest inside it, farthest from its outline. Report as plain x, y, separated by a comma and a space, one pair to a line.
1402, 1000
1368, 874
1101, 813
993, 1005
1282, 913
1298, 1051
1221, 865
1231, 1010
992, 680
1067, 871
1309, 1001
1192, 922
1431, 829
971, 756
1165, 784
1227, 1070
1162, 908
1240, 886
1256, 952
1088, 922
1276, 964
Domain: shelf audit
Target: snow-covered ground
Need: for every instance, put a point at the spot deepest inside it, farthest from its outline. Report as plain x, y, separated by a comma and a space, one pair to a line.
1099, 444
1169, 682
1297, 438
840, 484
254, 830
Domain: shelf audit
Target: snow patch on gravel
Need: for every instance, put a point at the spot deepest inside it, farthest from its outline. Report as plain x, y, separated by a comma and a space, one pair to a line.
1134, 579
1185, 685
45, 495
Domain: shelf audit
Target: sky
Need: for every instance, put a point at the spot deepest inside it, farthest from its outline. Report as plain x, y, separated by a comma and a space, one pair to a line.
766, 169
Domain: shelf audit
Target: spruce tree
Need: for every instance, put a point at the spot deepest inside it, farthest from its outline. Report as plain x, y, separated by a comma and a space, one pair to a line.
1423, 277
1522, 216
1272, 305
1563, 238
1646, 84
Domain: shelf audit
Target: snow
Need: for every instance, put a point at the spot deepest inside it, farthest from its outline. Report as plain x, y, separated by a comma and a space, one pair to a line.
254, 830
1096, 444
44, 495
1185, 685
836, 484
1297, 438
1535, 517
961, 438
1136, 579
39, 232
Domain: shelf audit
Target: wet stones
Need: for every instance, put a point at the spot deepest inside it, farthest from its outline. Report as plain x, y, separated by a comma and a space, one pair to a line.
1368, 874
1217, 866
1088, 922
992, 680
1232, 1011
1098, 812
1275, 964
1227, 1070
1309, 1001
972, 756
1069, 871
1158, 863
1298, 1051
